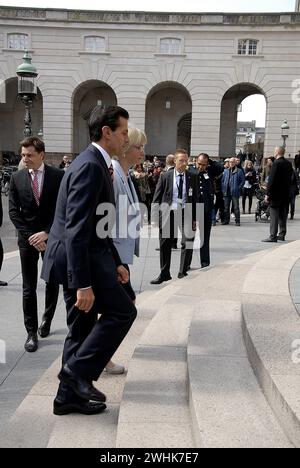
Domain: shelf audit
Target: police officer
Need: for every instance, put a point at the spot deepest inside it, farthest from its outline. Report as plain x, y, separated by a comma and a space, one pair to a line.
205, 196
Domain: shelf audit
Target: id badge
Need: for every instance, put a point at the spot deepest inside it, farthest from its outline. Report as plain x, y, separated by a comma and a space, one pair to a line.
190, 192
206, 176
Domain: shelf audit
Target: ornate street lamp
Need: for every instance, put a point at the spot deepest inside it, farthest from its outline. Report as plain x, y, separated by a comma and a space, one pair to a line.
248, 141
285, 132
27, 89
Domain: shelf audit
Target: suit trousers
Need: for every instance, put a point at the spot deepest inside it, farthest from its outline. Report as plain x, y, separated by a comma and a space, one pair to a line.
278, 219
1, 254
29, 263
175, 221
92, 341
205, 238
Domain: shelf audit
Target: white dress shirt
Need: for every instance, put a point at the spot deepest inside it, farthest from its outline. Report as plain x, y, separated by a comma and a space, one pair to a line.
40, 175
176, 183
105, 154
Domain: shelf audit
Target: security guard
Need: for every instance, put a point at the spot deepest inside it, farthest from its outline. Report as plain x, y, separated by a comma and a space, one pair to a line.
206, 196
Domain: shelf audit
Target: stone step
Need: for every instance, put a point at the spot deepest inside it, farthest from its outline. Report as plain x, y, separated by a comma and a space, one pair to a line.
154, 410
271, 327
227, 406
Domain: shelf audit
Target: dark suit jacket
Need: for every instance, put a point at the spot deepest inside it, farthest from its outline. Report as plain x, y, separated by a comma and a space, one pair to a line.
206, 194
75, 255
280, 181
164, 193
26, 215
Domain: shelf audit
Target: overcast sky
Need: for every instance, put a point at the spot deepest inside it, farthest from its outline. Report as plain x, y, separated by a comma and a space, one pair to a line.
162, 5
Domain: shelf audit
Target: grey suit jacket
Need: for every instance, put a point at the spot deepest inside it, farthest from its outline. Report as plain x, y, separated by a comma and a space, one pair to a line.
126, 232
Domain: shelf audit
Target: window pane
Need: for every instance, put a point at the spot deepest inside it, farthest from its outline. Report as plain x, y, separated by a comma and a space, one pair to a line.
253, 47
17, 41
170, 46
242, 50
94, 44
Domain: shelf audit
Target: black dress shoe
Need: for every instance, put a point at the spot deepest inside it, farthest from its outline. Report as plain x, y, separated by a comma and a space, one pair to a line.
3, 283
84, 407
31, 344
281, 238
44, 329
182, 275
205, 265
270, 240
161, 280
83, 388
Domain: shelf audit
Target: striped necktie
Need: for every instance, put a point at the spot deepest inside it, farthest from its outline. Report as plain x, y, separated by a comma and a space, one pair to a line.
35, 188
111, 171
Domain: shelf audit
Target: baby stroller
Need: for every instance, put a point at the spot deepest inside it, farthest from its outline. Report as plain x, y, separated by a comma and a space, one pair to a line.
262, 212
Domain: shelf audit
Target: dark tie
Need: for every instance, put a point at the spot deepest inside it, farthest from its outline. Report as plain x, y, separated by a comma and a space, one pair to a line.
35, 188
111, 171
180, 188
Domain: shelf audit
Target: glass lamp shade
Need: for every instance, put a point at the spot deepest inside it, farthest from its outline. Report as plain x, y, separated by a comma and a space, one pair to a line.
27, 85
285, 129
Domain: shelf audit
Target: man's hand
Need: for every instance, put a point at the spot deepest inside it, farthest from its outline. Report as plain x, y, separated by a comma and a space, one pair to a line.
267, 199
41, 247
123, 275
38, 238
85, 300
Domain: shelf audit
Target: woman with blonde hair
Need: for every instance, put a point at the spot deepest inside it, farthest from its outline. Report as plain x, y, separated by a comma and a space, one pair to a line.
127, 212
249, 187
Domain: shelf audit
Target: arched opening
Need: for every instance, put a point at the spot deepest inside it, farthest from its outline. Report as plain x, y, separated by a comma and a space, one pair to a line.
168, 126
12, 112
243, 117
86, 97
184, 132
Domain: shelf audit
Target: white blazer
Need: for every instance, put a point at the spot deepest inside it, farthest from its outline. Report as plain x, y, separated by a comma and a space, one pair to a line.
126, 233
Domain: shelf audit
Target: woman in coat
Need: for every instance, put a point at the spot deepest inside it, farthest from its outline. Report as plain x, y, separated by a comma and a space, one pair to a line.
126, 233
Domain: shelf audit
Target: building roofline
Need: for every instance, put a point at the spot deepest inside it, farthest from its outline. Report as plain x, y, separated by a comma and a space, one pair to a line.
147, 17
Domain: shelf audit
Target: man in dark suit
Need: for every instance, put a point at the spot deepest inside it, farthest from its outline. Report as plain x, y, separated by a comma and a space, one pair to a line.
32, 199
2, 283
81, 256
174, 206
278, 195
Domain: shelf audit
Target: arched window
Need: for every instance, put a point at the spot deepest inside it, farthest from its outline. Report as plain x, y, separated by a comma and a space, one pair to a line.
170, 46
248, 47
17, 41
94, 44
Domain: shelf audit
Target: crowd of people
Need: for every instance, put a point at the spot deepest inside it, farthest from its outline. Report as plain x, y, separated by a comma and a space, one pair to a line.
84, 219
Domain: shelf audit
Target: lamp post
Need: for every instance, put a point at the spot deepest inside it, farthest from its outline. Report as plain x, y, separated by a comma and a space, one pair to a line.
248, 141
285, 132
27, 89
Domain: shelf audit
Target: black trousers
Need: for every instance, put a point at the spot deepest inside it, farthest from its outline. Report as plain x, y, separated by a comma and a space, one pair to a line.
205, 238
91, 342
205, 249
1, 254
278, 220
175, 221
292, 206
219, 205
29, 263
247, 193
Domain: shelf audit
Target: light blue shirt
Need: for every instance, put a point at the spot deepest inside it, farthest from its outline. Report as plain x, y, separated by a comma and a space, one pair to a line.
176, 183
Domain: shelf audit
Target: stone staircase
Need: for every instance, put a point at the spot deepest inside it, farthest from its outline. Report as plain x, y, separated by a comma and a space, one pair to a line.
190, 357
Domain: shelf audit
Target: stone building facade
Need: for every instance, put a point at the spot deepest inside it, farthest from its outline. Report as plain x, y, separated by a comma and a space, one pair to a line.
180, 76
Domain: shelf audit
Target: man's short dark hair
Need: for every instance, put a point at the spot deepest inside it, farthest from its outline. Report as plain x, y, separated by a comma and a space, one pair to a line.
204, 155
37, 143
105, 117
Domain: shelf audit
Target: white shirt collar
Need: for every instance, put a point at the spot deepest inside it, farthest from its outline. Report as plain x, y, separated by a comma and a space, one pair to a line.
40, 169
104, 154
178, 173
